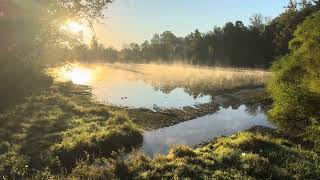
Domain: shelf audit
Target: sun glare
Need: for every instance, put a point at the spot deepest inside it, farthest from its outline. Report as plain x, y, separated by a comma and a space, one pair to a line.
75, 27
79, 76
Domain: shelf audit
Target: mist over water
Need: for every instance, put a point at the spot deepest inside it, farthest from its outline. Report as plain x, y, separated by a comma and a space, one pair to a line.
160, 86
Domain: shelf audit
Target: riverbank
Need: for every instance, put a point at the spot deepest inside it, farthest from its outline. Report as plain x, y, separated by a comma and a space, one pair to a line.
258, 153
62, 132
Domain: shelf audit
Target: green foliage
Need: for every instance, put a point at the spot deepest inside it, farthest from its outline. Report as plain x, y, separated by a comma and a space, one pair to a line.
48, 132
256, 154
295, 86
284, 26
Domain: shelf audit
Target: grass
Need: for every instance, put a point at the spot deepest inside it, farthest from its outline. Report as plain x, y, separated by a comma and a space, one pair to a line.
62, 133
254, 154
52, 130
97, 139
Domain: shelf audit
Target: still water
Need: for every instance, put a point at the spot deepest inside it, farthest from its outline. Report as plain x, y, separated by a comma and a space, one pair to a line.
224, 122
159, 86
155, 86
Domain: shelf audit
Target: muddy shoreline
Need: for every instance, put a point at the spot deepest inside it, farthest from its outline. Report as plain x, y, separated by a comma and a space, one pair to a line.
154, 119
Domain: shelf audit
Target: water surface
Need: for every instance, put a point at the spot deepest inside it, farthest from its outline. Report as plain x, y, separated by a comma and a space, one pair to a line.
175, 86
224, 122
159, 86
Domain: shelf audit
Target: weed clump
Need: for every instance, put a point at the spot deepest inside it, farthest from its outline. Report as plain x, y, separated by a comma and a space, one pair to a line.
93, 139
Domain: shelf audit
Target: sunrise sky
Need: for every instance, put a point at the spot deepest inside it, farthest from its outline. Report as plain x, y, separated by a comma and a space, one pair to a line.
137, 20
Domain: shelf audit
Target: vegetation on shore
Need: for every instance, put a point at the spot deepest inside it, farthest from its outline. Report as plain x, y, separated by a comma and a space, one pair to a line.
295, 86
259, 153
62, 133
59, 132
54, 129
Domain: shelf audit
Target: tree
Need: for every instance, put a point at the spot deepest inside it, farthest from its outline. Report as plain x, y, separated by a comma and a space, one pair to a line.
234, 44
146, 53
30, 31
257, 22
286, 23
292, 5
169, 44
295, 86
131, 52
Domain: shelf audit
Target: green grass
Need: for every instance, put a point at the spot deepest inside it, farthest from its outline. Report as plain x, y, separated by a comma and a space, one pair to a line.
98, 139
247, 155
52, 130
62, 133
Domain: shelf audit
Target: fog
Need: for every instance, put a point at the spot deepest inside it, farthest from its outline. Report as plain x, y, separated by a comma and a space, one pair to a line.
159, 85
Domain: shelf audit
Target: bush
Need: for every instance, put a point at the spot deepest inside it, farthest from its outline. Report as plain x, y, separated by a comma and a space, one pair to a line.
295, 86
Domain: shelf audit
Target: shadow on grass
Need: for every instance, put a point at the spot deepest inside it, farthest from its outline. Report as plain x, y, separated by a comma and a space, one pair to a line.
57, 127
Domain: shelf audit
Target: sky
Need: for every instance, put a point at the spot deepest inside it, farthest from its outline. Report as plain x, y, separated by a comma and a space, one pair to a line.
137, 20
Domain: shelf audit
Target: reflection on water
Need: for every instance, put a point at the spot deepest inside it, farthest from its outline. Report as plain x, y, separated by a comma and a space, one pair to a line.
224, 122
80, 76
161, 86
140, 94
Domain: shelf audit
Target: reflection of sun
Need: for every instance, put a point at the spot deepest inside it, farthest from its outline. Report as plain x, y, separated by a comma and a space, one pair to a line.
75, 27
79, 76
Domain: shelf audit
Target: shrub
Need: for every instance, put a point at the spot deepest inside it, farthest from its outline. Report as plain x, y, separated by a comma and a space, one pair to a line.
295, 86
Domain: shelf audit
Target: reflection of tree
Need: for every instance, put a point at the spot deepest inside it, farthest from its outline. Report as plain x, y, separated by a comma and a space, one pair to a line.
236, 106
252, 109
198, 84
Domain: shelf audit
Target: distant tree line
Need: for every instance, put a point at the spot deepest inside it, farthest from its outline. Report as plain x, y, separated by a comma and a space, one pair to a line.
234, 44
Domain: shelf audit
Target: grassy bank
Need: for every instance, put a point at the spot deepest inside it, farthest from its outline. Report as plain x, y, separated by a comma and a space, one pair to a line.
51, 130
259, 153
62, 133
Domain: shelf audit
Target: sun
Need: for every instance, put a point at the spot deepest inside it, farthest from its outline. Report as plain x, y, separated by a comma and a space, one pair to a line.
75, 27
80, 29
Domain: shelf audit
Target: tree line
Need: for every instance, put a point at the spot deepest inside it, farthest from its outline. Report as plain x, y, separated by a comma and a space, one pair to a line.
234, 44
